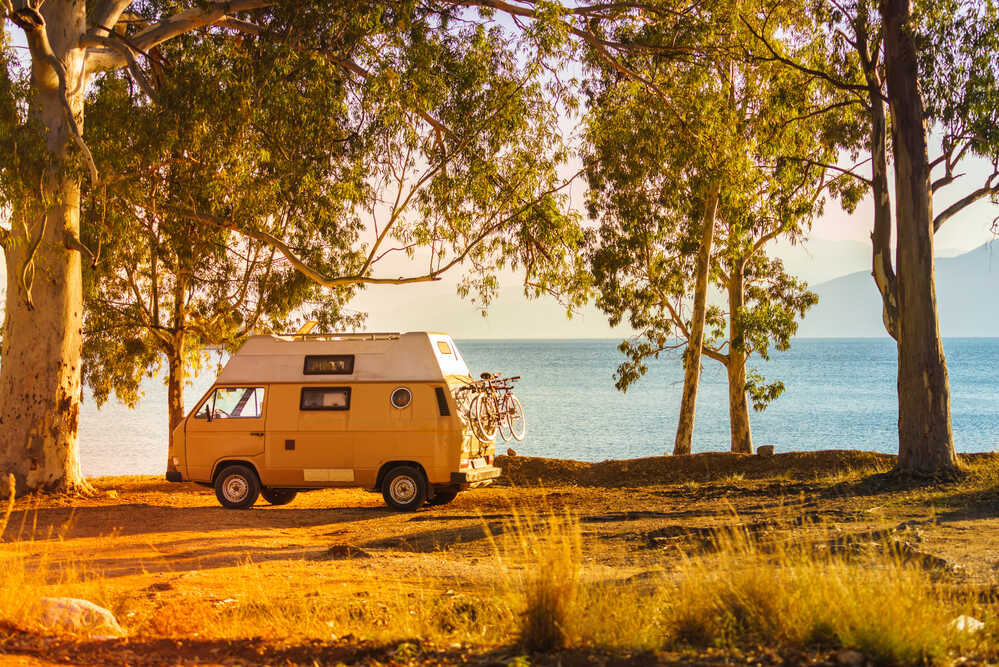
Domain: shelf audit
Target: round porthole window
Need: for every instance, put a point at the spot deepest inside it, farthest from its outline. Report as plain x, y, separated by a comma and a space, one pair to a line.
402, 397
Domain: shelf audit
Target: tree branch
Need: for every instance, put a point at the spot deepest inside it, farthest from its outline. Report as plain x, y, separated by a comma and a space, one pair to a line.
969, 199
351, 66
712, 353
125, 51
105, 14
192, 19
239, 25
845, 172
299, 265
825, 76
170, 27
73, 242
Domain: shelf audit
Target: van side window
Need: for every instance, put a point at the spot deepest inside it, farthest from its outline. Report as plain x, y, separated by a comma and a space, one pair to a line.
325, 398
329, 364
443, 347
232, 403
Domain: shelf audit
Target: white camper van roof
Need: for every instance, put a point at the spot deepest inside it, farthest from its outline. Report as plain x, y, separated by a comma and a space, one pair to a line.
417, 356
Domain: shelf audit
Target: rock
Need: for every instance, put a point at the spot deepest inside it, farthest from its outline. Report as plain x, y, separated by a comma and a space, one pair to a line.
342, 552
850, 657
765, 450
80, 617
511, 452
967, 624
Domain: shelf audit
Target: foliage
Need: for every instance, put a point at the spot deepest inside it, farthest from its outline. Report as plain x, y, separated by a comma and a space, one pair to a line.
657, 142
370, 137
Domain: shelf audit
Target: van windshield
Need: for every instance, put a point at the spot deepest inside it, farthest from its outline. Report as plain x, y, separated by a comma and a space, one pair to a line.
233, 402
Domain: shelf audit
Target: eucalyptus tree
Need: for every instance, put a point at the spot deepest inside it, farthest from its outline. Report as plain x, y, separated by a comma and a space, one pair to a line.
431, 88
897, 71
689, 186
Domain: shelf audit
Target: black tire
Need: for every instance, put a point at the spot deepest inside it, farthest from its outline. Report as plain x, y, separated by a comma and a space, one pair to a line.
443, 497
405, 489
278, 496
237, 487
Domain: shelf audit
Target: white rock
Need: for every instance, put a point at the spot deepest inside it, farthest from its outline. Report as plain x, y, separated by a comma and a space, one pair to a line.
966, 624
850, 658
79, 616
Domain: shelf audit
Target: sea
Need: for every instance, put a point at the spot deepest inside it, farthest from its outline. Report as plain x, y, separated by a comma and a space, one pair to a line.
840, 394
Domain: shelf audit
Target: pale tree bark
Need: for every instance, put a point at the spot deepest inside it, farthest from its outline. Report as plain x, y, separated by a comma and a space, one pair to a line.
881, 261
40, 371
176, 354
695, 342
738, 408
926, 444
175, 385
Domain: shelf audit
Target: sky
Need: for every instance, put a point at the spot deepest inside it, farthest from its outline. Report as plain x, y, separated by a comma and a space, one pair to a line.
838, 244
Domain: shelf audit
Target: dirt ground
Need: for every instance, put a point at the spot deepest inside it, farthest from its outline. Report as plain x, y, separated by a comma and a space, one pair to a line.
161, 539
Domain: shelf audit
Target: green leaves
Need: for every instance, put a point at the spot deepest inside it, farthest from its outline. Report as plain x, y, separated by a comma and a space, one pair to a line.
351, 136
658, 142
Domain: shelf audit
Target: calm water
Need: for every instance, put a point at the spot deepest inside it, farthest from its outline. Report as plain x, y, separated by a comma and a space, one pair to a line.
840, 395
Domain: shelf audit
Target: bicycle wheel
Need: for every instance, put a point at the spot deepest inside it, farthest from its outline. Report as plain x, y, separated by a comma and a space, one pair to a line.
502, 421
463, 402
484, 412
513, 415
473, 422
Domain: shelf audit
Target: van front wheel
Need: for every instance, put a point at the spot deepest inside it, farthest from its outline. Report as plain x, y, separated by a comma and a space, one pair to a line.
278, 496
404, 488
237, 487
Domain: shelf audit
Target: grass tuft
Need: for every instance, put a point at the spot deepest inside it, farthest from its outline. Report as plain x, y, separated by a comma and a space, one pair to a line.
12, 484
543, 558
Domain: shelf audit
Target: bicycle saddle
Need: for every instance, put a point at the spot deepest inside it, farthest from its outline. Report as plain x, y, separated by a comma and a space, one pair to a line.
486, 376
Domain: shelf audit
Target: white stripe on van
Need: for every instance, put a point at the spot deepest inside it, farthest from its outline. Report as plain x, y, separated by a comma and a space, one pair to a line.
329, 474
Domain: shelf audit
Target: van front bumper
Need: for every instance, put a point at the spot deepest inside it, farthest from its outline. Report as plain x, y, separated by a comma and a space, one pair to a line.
476, 475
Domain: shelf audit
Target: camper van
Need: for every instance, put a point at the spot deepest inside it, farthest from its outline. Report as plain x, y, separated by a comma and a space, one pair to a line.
296, 412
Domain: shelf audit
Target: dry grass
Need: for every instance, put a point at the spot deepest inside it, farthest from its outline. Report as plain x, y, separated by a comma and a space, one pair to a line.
303, 600
793, 594
784, 594
791, 591
541, 557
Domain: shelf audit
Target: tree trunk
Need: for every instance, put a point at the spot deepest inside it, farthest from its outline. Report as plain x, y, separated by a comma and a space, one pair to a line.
176, 355
695, 342
925, 439
40, 369
175, 389
738, 408
881, 265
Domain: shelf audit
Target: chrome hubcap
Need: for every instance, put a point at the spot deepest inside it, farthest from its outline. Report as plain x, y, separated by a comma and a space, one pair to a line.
235, 489
403, 490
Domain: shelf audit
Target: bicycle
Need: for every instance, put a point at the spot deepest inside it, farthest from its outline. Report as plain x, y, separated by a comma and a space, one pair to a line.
490, 405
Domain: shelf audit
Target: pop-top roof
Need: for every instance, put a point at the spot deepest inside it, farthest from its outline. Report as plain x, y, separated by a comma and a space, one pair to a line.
417, 356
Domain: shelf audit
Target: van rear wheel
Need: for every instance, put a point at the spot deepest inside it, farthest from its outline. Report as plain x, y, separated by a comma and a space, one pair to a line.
278, 496
237, 487
405, 489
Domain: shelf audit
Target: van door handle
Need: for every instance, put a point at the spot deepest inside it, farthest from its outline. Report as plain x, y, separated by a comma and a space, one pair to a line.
260, 433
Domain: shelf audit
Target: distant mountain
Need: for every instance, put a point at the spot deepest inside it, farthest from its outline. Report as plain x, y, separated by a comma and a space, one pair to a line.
967, 287
849, 306
819, 260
